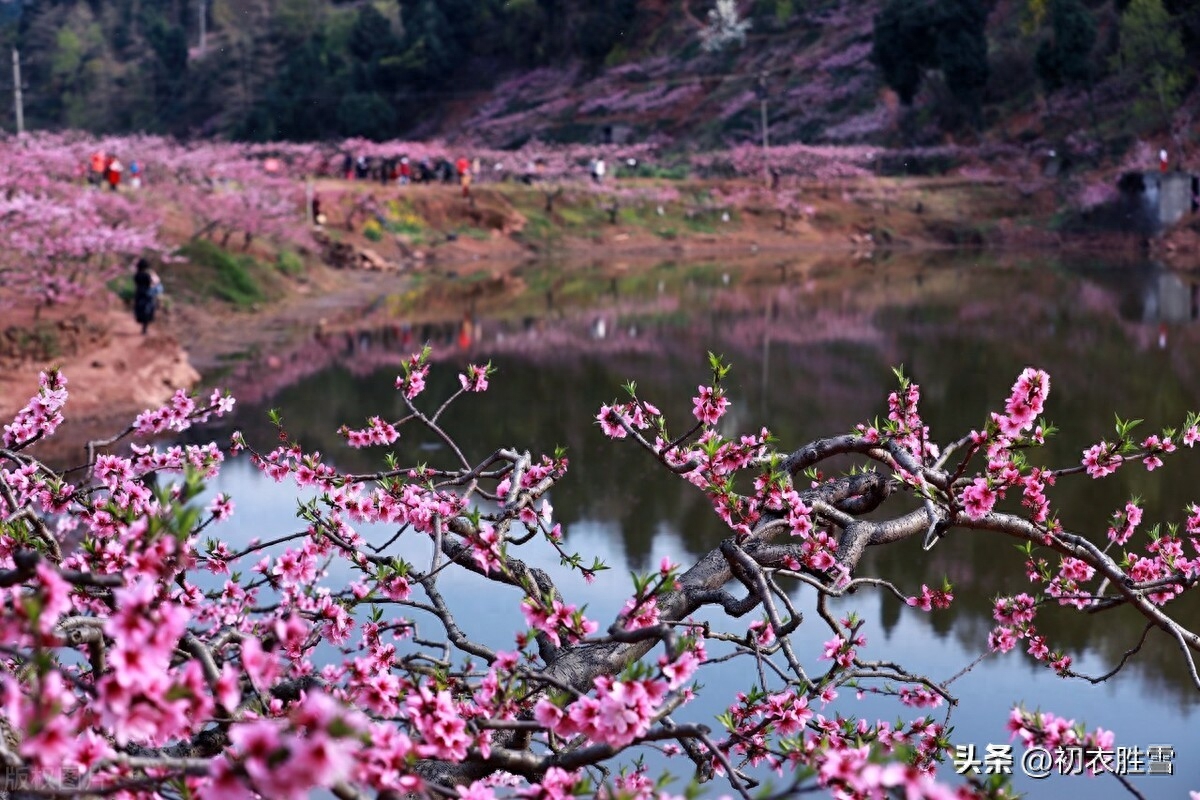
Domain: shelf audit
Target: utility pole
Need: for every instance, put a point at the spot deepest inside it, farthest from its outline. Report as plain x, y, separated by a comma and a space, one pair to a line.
761, 88
18, 101
309, 193
203, 8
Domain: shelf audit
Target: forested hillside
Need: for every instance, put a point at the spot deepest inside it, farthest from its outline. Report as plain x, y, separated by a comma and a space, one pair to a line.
503, 71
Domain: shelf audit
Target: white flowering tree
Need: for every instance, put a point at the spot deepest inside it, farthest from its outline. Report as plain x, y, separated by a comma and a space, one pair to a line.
726, 27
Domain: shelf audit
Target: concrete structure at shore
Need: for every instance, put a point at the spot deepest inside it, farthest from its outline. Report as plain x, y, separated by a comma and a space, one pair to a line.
1152, 201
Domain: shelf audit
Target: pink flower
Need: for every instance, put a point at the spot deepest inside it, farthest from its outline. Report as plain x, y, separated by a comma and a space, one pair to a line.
476, 379
1025, 402
322, 760
1001, 639
262, 667
1191, 435
227, 690
221, 507
476, 791
920, 698
412, 383
930, 599
710, 405
377, 432
547, 714
682, 668
610, 422
225, 784
1101, 460
265, 753
56, 596
762, 632
978, 499
645, 615
832, 648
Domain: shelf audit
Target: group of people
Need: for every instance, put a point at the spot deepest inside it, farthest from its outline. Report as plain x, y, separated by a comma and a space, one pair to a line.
105, 169
402, 171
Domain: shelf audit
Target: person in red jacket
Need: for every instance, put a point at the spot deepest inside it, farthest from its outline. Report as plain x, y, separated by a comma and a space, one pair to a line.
464, 176
99, 166
115, 168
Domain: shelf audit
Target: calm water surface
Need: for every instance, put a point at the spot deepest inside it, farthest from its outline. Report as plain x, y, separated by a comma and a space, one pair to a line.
812, 345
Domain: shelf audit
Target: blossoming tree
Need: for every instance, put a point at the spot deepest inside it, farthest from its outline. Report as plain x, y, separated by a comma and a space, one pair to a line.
58, 247
143, 656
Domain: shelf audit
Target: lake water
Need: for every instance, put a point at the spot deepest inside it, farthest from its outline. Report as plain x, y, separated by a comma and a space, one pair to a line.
812, 343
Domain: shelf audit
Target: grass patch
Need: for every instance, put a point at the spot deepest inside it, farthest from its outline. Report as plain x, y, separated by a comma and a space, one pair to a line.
213, 272
401, 217
704, 221
414, 227
123, 288
676, 172
539, 227
478, 234
578, 217
666, 319
289, 263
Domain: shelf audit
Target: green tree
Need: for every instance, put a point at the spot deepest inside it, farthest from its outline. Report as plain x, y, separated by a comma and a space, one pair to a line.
607, 23
1151, 58
521, 33
366, 114
904, 38
913, 36
77, 69
164, 69
1065, 59
371, 36
303, 101
1187, 16
962, 51
246, 64
429, 47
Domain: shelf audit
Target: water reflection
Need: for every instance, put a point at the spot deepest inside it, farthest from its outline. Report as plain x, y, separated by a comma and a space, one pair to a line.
812, 344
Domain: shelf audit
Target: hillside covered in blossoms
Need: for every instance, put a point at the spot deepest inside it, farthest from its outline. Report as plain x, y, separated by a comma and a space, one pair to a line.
830, 71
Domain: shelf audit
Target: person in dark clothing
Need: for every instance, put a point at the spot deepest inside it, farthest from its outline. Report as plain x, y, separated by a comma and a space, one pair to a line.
146, 289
